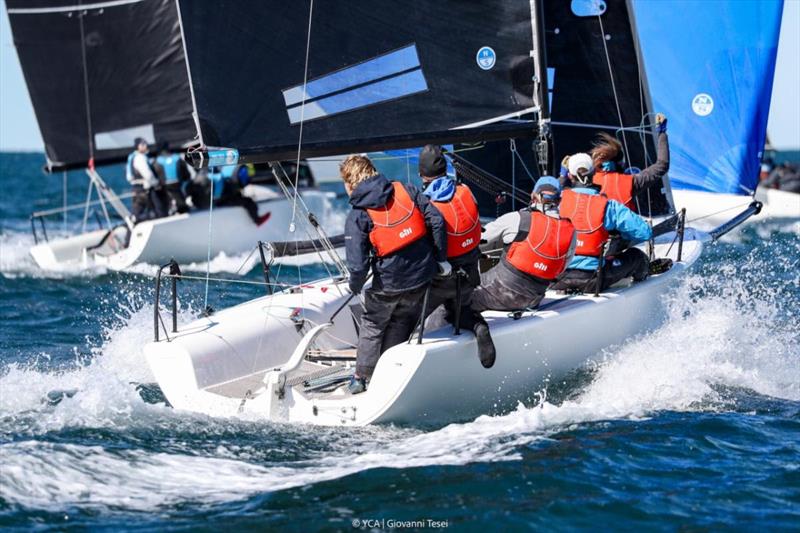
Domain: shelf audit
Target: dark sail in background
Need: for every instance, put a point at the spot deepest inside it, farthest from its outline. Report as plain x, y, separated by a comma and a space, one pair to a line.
135, 76
581, 95
381, 74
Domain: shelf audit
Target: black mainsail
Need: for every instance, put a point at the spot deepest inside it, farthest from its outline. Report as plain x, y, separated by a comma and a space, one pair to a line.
357, 76
101, 74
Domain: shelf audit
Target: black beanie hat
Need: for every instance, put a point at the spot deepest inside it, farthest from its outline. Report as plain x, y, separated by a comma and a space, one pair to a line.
432, 163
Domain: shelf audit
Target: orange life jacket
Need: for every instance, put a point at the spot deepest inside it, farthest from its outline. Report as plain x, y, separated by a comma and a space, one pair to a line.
397, 224
462, 221
587, 213
616, 186
543, 251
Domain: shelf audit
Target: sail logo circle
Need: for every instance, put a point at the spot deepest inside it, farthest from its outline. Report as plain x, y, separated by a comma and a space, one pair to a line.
486, 58
702, 105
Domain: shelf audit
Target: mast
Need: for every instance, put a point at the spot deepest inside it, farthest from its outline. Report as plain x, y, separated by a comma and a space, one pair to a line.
540, 95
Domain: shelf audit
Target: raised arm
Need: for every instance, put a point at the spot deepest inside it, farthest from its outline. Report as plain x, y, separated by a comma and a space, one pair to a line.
656, 171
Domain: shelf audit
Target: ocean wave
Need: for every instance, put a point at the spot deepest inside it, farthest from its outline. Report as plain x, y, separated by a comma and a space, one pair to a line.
730, 327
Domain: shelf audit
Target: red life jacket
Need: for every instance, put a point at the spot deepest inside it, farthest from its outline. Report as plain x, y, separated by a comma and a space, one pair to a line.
543, 251
397, 224
616, 186
587, 212
462, 221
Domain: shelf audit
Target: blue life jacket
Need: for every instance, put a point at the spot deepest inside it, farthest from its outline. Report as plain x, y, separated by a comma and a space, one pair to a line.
131, 174
219, 176
170, 165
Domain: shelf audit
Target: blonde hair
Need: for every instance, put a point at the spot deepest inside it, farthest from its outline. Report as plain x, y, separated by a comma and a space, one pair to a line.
355, 169
606, 148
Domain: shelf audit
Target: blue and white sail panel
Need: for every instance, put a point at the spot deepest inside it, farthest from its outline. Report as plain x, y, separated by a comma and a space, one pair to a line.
710, 68
389, 76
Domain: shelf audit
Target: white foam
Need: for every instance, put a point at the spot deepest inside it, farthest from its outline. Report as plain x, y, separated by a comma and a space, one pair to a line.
731, 329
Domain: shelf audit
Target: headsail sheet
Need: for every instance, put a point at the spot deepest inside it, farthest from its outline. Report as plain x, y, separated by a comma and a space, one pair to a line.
381, 74
101, 74
711, 67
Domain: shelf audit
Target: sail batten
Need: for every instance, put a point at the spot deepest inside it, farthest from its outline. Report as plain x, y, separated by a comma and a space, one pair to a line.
379, 75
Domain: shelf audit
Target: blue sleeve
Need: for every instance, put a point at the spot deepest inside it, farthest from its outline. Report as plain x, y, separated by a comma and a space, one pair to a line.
434, 222
631, 226
357, 248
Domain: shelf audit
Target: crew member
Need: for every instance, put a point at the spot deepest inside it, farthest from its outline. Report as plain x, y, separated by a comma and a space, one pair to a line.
538, 245
173, 171
622, 185
594, 216
144, 184
397, 234
460, 212
227, 191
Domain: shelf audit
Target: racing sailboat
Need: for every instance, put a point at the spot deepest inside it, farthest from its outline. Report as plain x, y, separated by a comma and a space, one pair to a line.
101, 74
450, 73
711, 68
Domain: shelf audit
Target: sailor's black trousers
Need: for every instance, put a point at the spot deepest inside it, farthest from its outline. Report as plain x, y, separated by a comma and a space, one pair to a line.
388, 319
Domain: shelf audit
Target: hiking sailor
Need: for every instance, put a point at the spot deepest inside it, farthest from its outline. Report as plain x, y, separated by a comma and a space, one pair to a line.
608, 158
594, 216
227, 190
538, 247
173, 171
460, 212
144, 183
396, 233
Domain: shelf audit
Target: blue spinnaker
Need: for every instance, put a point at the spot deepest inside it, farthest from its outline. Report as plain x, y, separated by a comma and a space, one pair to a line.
710, 67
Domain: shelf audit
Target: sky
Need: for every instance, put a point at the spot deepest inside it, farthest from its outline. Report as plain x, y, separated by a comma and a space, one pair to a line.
20, 132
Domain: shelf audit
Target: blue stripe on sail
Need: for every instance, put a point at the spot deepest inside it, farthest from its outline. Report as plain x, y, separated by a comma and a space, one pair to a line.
710, 67
364, 72
381, 91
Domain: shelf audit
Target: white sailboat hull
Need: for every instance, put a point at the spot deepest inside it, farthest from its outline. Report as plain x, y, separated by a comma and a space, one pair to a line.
221, 365
706, 209
183, 237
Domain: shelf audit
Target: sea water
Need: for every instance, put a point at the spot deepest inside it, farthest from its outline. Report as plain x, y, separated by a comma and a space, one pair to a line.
693, 426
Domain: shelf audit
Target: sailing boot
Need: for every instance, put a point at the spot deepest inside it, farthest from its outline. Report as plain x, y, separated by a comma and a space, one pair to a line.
486, 351
357, 385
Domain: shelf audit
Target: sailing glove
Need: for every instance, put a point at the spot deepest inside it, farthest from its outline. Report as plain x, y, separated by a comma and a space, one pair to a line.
661, 123
445, 268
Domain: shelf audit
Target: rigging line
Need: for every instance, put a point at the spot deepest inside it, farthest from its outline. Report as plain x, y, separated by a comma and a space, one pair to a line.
719, 212
210, 236
224, 280
246, 259
328, 246
524, 166
613, 87
64, 185
302, 119
86, 87
513, 147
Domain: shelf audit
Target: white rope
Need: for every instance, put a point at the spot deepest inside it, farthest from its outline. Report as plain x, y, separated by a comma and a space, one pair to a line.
210, 236
302, 121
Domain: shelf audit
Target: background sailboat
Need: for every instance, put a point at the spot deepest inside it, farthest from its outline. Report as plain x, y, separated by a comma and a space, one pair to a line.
100, 75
